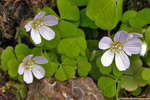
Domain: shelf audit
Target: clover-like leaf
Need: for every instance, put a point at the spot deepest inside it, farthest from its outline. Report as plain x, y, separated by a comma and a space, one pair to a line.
144, 14
103, 70
137, 22
6, 55
127, 15
71, 47
13, 67
85, 21
132, 77
83, 66
103, 12
108, 86
64, 73
68, 11
22, 49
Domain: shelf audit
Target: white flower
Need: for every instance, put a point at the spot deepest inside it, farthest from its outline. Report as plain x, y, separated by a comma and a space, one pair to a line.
29, 66
144, 49
39, 27
119, 48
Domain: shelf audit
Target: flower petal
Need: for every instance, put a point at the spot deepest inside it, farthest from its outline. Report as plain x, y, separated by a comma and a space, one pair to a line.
107, 58
50, 20
27, 77
28, 26
143, 49
121, 36
35, 35
27, 57
122, 61
38, 71
40, 60
105, 43
21, 69
135, 35
133, 46
47, 33
39, 15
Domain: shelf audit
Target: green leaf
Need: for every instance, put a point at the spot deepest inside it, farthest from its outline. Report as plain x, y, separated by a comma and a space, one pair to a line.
95, 72
36, 51
67, 29
49, 45
137, 22
83, 68
71, 47
13, 72
137, 92
79, 2
40, 99
132, 77
22, 49
23, 91
92, 44
147, 38
85, 21
68, 47
69, 62
103, 12
64, 73
12, 64
68, 11
50, 68
91, 33
119, 9
146, 74
127, 15
124, 26
129, 83
144, 14
108, 86
103, 70
48, 11
6, 55
116, 72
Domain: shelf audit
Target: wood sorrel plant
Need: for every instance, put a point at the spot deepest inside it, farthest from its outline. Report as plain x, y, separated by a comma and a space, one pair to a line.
69, 43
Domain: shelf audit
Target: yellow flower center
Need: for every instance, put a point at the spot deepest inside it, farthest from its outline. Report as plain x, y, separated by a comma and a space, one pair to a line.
37, 23
29, 64
116, 47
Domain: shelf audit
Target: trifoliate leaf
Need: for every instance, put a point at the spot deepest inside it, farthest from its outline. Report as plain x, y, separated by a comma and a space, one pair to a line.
6, 55
64, 73
67, 10
144, 14
127, 15
71, 47
137, 22
137, 92
108, 86
146, 74
50, 68
103, 70
129, 83
95, 72
85, 21
22, 49
103, 12
116, 72
49, 45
